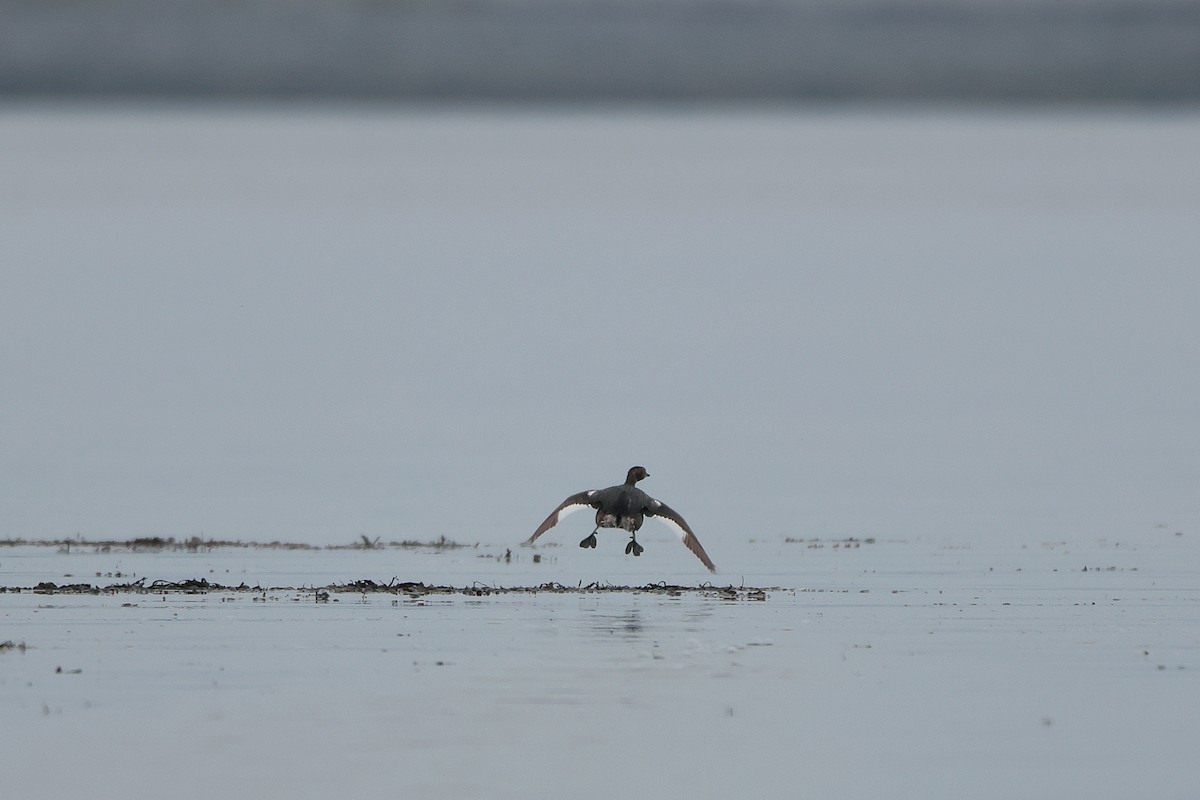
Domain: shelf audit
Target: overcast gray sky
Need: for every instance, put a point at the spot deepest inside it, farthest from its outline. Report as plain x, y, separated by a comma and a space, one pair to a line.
316, 325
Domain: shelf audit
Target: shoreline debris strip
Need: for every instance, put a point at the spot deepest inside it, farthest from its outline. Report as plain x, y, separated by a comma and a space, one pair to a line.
197, 544
408, 588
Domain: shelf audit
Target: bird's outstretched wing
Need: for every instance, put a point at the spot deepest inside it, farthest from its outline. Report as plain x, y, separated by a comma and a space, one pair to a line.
664, 512
571, 504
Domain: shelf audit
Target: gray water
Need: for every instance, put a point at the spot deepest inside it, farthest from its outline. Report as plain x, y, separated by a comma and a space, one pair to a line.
1041, 668
968, 338
317, 324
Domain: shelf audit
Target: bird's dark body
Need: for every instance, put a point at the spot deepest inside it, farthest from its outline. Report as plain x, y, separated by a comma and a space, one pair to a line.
620, 507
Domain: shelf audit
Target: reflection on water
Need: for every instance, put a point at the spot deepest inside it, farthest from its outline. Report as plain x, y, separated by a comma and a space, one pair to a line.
697, 618
627, 625
644, 622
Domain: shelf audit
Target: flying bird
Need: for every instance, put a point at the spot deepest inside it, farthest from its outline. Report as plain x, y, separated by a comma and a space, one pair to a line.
624, 506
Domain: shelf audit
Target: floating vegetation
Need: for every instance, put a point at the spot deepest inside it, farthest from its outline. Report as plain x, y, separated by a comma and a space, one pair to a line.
197, 544
835, 544
442, 543
395, 587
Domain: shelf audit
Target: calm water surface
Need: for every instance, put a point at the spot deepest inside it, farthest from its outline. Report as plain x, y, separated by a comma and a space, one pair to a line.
901, 664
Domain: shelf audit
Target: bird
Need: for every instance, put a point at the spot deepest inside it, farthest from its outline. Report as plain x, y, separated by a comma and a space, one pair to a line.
624, 506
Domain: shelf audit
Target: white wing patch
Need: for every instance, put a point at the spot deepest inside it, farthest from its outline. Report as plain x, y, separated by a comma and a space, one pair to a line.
568, 506
675, 522
571, 509
670, 523
673, 525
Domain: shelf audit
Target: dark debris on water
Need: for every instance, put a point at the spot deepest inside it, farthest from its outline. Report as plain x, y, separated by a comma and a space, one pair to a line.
200, 544
408, 588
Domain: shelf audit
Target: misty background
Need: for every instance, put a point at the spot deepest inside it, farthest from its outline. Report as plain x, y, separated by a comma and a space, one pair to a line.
254, 284
1044, 50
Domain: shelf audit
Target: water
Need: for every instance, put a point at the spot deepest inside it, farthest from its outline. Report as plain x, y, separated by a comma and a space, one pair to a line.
314, 324
965, 337
892, 667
